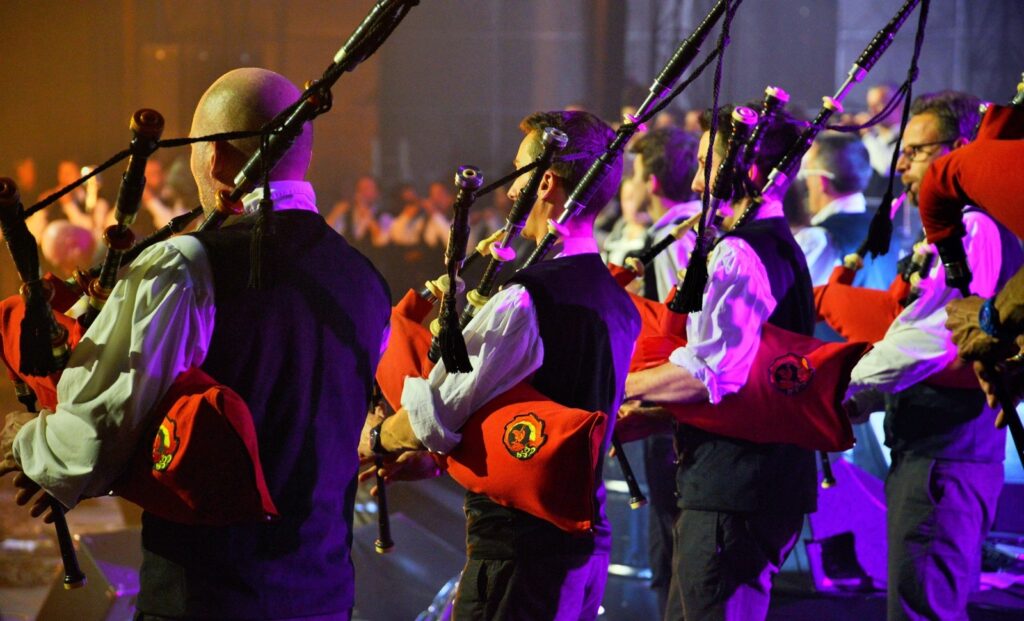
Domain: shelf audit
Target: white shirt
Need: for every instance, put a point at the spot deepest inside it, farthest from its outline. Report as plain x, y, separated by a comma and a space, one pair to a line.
851, 203
158, 322
504, 345
724, 336
822, 255
667, 264
880, 146
917, 344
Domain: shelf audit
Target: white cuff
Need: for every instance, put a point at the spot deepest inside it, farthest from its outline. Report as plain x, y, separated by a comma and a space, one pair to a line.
418, 401
683, 357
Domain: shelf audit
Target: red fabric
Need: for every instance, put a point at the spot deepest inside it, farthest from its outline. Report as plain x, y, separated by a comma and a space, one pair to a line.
12, 311
553, 477
213, 475
555, 484
622, 275
203, 465
408, 344
858, 313
986, 173
812, 418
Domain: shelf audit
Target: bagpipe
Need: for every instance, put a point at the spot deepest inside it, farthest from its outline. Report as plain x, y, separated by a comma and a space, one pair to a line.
974, 174
501, 457
512, 444
198, 422
789, 362
796, 385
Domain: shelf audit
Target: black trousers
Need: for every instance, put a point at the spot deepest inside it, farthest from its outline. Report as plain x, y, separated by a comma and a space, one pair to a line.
939, 514
724, 562
565, 587
341, 616
663, 510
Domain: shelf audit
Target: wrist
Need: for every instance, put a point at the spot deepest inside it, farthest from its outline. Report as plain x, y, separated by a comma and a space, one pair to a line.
989, 321
376, 443
1010, 307
396, 435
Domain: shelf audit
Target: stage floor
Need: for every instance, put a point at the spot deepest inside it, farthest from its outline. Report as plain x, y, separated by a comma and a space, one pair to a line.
428, 530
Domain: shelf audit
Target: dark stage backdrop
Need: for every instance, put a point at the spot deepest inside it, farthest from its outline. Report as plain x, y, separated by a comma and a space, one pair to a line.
456, 77
451, 85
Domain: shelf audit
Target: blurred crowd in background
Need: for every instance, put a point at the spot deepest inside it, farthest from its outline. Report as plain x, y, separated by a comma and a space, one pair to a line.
403, 228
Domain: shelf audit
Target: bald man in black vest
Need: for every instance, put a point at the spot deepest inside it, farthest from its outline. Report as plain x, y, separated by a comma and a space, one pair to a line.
301, 351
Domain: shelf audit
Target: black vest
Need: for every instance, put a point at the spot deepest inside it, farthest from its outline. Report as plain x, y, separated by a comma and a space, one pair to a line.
951, 423
846, 231
588, 326
717, 473
302, 353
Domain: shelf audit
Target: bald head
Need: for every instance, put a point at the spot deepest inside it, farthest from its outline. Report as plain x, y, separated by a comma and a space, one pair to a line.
243, 100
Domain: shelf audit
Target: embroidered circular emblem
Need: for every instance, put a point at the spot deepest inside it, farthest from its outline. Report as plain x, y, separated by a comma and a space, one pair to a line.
165, 444
524, 435
790, 373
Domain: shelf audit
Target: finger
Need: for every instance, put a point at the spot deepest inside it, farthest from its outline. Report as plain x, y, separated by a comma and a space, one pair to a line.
50, 517
24, 482
367, 474
39, 507
24, 496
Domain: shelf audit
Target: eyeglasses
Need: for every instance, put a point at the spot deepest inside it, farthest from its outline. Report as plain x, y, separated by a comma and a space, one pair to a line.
911, 152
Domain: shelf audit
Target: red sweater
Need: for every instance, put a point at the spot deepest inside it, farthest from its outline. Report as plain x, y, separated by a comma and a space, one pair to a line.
988, 173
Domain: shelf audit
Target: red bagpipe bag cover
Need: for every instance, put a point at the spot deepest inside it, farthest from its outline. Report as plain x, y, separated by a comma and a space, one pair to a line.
793, 395
203, 465
521, 449
858, 313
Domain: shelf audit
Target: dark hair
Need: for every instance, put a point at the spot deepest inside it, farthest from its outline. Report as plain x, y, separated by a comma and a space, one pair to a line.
846, 157
957, 112
776, 139
588, 136
669, 154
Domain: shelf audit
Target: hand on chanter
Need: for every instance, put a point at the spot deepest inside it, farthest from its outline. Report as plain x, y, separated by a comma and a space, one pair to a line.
39, 502
637, 420
407, 466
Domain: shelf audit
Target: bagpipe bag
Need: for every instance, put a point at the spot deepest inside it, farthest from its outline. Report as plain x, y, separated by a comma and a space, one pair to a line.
521, 449
793, 394
202, 466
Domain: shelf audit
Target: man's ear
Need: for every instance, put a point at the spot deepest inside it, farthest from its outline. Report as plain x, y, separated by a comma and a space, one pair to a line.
826, 184
959, 142
549, 184
225, 162
655, 185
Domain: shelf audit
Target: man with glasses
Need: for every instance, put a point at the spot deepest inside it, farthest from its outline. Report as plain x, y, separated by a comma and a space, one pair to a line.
946, 471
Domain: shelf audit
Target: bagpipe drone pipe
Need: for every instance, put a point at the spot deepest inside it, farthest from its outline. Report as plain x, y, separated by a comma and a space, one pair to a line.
198, 422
